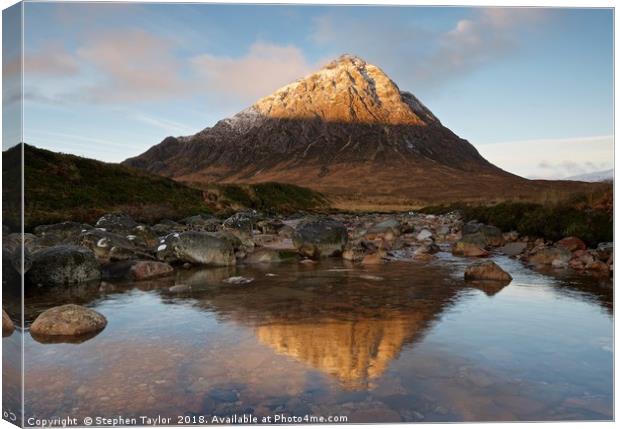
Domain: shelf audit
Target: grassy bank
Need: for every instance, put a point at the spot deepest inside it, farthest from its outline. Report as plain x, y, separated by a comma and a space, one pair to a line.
587, 216
268, 197
61, 187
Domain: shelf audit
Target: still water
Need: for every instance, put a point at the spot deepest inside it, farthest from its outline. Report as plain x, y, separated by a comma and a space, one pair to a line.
403, 341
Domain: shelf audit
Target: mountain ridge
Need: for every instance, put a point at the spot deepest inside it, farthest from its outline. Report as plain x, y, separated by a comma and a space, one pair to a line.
346, 130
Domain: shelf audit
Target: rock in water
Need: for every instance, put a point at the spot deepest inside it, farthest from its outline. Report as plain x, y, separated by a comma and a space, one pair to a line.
513, 249
238, 280
196, 248
7, 324
317, 238
463, 248
571, 244
136, 270
68, 321
62, 265
487, 270
551, 255
267, 256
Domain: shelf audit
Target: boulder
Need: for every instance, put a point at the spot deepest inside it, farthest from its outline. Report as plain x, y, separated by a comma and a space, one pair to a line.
483, 235
196, 248
203, 222
476, 238
7, 324
102, 242
374, 258
571, 244
487, 270
62, 265
427, 249
580, 259
547, 256
604, 251
513, 248
136, 270
599, 267
511, 236
59, 233
167, 226
492, 235
119, 223
388, 228
243, 221
10, 268
270, 226
317, 238
67, 321
423, 235
471, 227
464, 248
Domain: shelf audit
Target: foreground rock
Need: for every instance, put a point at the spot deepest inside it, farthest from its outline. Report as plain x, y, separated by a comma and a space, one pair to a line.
67, 321
136, 270
316, 238
7, 324
196, 248
514, 248
63, 264
571, 244
555, 256
464, 248
487, 270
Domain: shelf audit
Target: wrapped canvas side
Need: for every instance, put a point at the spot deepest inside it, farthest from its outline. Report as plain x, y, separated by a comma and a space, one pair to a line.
12, 216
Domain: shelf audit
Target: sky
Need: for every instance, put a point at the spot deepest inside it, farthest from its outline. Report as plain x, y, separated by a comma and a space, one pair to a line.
530, 88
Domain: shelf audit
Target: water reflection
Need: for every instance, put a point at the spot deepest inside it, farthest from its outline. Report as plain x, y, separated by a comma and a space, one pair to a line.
412, 342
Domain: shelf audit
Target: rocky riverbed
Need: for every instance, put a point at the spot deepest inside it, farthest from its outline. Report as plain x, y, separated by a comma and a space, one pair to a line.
374, 317
119, 248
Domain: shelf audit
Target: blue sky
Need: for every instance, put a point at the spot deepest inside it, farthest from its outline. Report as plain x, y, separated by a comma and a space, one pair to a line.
110, 80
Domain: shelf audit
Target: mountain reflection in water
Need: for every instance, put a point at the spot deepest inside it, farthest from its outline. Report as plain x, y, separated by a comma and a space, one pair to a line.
398, 342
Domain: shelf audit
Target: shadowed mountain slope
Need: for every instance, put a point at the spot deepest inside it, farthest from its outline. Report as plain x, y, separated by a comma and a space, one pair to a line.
349, 132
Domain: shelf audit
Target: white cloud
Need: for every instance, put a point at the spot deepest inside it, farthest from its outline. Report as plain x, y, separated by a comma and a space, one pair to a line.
265, 68
552, 158
134, 66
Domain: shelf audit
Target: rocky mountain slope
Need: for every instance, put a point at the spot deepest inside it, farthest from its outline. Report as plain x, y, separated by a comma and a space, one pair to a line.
347, 131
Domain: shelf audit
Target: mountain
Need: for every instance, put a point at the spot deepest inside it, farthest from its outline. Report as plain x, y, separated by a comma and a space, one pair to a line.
347, 131
596, 176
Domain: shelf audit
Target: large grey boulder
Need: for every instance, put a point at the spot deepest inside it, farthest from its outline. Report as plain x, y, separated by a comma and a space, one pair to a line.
117, 222
111, 246
63, 264
317, 238
59, 233
197, 248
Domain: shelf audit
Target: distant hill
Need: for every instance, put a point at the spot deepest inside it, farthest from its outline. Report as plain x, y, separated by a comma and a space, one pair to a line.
596, 176
349, 132
61, 187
